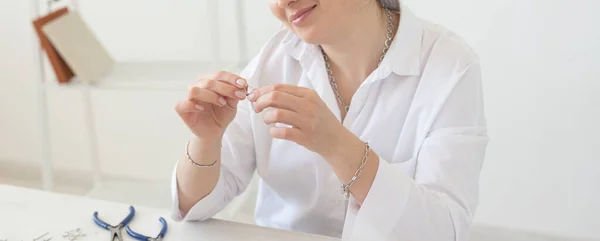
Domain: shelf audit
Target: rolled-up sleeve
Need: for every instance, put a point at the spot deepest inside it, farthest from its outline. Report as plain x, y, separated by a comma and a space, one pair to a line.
238, 162
439, 201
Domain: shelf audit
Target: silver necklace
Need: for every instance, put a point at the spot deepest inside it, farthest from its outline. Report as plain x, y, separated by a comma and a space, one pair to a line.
388, 42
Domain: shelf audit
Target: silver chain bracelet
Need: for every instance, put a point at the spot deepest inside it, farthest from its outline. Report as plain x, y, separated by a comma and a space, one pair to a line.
346, 187
187, 153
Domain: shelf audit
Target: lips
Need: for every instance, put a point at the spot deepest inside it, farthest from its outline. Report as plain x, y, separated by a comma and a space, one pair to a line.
299, 14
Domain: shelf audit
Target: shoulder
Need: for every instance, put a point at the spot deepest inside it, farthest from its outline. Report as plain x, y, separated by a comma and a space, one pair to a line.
443, 49
449, 90
274, 55
278, 44
446, 61
448, 67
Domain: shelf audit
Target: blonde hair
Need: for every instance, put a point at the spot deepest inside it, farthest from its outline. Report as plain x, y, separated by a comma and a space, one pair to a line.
390, 4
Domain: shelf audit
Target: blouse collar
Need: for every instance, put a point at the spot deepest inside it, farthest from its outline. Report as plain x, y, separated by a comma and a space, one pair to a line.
402, 58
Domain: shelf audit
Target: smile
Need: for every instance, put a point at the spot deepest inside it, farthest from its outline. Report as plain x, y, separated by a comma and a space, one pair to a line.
301, 15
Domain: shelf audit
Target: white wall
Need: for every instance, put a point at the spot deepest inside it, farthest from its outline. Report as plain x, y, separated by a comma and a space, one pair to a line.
540, 72
166, 30
18, 76
137, 130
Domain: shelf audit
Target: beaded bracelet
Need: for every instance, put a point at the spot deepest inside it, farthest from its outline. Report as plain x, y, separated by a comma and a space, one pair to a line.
187, 153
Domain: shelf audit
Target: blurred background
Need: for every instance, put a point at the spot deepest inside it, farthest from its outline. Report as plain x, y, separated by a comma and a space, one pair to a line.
120, 138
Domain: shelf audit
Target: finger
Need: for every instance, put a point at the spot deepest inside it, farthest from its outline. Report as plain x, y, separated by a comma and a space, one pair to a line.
223, 88
283, 116
291, 134
233, 103
231, 78
197, 94
186, 106
277, 99
290, 89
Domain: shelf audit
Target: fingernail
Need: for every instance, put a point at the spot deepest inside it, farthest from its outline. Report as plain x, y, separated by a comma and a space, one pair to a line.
222, 101
251, 96
240, 94
199, 107
241, 82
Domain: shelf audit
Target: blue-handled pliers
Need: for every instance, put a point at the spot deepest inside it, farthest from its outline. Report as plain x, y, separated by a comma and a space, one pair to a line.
115, 231
160, 236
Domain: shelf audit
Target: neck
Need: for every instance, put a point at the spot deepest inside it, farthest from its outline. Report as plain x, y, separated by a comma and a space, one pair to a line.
354, 56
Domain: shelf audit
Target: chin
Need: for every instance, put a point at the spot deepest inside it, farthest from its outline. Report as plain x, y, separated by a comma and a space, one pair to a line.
310, 35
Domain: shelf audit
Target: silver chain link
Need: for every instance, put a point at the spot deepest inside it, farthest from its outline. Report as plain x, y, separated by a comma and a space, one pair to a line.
388, 43
346, 187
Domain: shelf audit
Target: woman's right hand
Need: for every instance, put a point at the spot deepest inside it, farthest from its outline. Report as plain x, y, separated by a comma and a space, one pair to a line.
211, 104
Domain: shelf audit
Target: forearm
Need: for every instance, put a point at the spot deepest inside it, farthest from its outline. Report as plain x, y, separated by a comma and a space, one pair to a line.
195, 183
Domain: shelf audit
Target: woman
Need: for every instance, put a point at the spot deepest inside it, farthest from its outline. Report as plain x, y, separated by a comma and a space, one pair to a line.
362, 122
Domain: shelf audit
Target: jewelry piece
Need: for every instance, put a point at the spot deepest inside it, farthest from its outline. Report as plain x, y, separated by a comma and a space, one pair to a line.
73, 234
388, 43
249, 90
346, 187
187, 153
41, 236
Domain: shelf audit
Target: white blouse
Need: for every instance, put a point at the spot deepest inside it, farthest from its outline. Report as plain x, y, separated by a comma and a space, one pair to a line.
422, 113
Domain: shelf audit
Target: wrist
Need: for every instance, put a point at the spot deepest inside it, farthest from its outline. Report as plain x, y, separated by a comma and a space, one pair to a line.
203, 151
206, 142
344, 150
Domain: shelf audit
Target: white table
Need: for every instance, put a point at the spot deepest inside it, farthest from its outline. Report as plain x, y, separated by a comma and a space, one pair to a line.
27, 213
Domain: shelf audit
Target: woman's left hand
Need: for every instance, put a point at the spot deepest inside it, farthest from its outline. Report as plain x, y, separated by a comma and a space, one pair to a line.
313, 124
